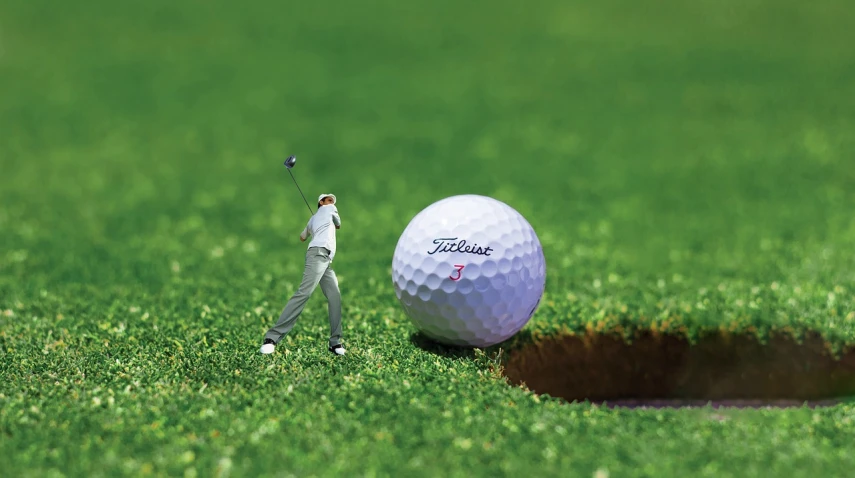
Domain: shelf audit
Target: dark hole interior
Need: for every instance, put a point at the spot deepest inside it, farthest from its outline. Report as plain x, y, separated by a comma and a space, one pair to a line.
665, 370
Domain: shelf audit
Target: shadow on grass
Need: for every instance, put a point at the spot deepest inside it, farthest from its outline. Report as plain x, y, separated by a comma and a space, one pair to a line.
427, 344
663, 371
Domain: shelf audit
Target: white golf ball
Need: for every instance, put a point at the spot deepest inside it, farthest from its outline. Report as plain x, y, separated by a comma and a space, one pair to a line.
469, 271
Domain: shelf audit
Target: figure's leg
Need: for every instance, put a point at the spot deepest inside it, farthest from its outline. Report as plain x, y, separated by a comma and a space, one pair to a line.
316, 265
329, 286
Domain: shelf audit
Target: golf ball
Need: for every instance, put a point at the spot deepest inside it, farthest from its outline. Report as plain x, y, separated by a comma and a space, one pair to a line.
469, 270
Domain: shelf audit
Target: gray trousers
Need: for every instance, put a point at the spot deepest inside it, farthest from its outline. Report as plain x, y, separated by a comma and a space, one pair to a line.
317, 271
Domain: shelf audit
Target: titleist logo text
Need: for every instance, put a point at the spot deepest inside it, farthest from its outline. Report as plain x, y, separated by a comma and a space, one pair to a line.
446, 244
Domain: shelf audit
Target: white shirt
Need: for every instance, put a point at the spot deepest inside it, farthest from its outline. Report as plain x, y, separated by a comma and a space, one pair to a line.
320, 226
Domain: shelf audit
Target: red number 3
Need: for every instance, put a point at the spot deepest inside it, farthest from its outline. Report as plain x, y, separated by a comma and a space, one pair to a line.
458, 268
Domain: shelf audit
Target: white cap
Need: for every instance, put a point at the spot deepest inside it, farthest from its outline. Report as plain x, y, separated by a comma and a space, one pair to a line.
322, 196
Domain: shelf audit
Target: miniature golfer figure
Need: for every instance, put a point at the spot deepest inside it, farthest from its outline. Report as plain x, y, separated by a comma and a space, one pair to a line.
318, 270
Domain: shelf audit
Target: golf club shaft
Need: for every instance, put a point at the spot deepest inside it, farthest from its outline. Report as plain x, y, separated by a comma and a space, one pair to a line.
301, 191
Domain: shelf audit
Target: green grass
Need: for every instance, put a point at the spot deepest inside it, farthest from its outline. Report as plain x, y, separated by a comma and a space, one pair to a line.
687, 166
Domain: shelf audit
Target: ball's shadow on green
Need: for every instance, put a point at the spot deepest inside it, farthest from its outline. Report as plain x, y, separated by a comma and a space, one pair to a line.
427, 344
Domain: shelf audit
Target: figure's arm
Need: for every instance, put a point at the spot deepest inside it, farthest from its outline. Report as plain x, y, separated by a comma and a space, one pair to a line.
335, 218
304, 234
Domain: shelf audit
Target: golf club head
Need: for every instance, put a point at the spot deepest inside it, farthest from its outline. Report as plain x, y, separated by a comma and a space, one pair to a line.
289, 163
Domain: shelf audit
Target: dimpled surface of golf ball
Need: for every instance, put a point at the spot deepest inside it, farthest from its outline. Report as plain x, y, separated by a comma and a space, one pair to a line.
469, 271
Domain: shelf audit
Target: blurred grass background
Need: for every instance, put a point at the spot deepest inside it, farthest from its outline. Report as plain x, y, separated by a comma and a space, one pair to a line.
696, 137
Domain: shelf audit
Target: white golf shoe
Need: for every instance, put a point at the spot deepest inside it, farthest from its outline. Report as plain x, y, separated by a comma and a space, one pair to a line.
268, 347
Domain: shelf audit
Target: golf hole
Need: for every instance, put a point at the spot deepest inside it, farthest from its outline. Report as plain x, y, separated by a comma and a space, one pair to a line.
667, 371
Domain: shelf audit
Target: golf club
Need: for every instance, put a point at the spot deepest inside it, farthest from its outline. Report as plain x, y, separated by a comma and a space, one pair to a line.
289, 163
